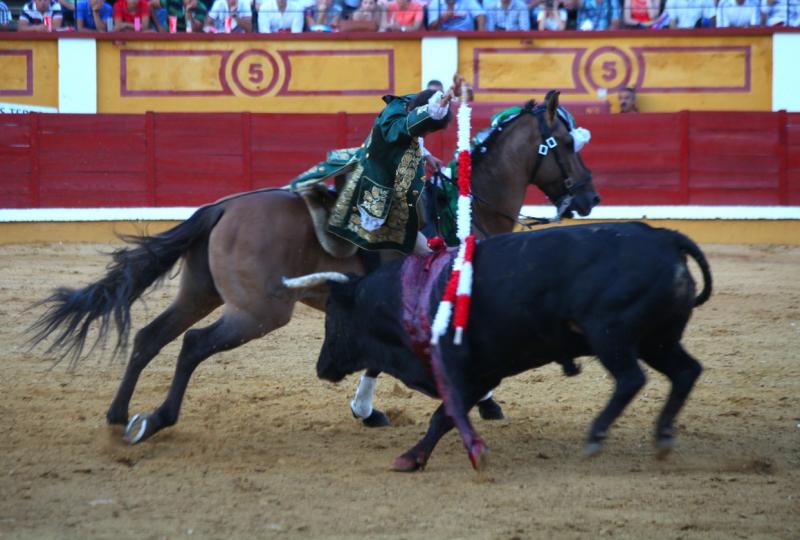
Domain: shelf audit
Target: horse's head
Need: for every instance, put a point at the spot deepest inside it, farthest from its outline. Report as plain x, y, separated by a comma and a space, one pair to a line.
559, 170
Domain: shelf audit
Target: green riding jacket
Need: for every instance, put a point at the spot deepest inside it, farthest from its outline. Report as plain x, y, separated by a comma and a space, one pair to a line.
376, 208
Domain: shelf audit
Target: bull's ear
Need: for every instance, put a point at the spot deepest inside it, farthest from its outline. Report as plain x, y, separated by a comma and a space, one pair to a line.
551, 99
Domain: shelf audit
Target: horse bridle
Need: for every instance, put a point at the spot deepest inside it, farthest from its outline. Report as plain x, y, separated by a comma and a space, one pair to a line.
549, 143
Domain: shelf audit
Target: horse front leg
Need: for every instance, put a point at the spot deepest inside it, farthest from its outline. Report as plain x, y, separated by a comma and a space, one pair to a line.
361, 405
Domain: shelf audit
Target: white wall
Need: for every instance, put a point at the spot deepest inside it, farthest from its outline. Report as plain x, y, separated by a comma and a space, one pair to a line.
77, 75
439, 59
786, 72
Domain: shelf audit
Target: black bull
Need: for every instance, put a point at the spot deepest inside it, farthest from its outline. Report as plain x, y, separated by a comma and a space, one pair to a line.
621, 292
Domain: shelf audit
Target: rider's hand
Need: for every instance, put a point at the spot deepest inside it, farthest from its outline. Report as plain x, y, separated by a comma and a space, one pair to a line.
434, 163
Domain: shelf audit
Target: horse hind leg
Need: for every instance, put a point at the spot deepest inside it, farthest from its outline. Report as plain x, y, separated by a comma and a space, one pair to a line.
148, 342
196, 299
683, 371
233, 329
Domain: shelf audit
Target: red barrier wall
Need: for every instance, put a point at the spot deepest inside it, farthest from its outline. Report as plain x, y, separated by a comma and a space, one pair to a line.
173, 159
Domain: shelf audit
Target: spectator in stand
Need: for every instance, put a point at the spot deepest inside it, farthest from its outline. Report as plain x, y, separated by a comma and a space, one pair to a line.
404, 16
279, 16
127, 11
368, 17
551, 17
323, 16
187, 12
640, 13
6, 20
461, 15
627, 100
780, 13
67, 13
598, 14
506, 15
738, 13
93, 15
240, 12
31, 18
691, 13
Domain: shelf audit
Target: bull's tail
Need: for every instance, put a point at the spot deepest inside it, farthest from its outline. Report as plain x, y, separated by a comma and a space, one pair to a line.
688, 247
132, 270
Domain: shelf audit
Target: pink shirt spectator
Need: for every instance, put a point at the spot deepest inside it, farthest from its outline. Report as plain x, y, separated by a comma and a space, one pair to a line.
404, 15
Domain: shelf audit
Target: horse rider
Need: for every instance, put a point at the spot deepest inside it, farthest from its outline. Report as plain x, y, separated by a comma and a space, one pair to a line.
376, 205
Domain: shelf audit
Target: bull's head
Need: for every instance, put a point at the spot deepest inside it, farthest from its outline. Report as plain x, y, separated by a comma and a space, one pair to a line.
339, 355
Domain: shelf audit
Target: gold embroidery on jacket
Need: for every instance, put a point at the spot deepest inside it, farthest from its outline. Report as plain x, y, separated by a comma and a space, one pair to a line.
394, 228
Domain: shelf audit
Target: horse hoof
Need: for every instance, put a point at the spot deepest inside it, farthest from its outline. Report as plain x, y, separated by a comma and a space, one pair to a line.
664, 447
407, 463
490, 410
376, 419
136, 429
592, 449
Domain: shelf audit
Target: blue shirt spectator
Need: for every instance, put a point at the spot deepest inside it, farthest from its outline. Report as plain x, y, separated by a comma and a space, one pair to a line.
5, 16
87, 10
598, 14
781, 12
462, 15
508, 15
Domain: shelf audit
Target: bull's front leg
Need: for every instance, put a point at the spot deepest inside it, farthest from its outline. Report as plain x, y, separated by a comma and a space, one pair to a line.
417, 457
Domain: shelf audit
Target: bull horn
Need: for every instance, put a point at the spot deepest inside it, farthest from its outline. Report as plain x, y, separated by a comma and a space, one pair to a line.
312, 280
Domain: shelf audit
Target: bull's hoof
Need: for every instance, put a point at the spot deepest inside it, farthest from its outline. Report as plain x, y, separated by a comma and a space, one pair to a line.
490, 410
479, 456
375, 419
137, 429
408, 462
664, 447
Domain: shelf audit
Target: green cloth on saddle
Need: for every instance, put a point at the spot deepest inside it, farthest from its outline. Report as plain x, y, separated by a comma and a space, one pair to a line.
340, 161
376, 208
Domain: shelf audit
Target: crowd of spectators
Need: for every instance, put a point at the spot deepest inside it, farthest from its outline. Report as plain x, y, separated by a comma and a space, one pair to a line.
295, 16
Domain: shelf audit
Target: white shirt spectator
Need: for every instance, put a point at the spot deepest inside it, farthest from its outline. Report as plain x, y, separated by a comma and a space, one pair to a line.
686, 13
510, 17
271, 19
733, 13
36, 17
219, 10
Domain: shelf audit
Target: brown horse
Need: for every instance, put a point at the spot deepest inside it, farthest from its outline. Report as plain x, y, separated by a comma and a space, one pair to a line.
236, 251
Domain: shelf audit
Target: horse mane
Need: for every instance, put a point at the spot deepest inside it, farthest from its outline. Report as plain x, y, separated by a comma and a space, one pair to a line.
479, 152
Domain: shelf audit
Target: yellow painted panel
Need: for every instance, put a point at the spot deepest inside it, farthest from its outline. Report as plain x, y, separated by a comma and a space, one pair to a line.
671, 73
29, 72
687, 69
171, 72
13, 72
260, 76
522, 69
321, 72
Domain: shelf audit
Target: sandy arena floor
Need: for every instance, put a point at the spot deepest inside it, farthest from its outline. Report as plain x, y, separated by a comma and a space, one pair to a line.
263, 449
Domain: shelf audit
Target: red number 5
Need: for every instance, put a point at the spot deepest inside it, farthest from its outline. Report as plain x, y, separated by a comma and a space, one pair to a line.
256, 73
609, 70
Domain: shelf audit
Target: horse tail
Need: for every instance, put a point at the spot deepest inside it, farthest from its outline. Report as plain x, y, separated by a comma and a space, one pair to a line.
132, 271
687, 246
